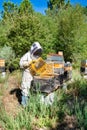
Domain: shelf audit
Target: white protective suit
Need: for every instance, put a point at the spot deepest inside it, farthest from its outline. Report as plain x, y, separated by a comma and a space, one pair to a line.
26, 77
24, 63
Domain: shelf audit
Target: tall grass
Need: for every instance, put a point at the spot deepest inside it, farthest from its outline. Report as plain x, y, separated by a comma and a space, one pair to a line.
34, 115
38, 115
78, 90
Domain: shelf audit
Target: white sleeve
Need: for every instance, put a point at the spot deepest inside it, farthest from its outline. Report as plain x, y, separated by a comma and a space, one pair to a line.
24, 61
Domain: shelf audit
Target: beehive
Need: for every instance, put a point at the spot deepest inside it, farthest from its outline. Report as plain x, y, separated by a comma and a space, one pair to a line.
41, 68
2, 63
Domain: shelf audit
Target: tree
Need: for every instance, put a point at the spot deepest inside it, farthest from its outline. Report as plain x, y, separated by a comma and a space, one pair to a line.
9, 13
3, 31
55, 6
25, 7
9, 9
25, 28
85, 10
55, 3
71, 34
30, 28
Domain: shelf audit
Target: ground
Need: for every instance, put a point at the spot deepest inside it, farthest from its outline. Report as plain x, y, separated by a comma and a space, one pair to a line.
11, 96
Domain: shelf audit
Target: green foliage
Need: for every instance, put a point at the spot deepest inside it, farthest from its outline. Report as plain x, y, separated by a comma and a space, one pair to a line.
55, 4
19, 123
34, 115
7, 53
23, 34
85, 10
14, 64
62, 30
72, 102
30, 28
81, 114
71, 35
47, 34
9, 9
4, 28
71, 31
25, 7
3, 79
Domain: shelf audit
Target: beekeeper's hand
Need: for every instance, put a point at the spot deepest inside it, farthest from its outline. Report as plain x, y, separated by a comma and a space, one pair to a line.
26, 65
33, 61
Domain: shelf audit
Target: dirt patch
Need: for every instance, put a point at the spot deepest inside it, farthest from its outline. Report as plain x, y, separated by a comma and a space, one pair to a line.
11, 97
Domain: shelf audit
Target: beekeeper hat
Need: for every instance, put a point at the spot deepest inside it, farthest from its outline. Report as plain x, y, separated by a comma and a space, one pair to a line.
36, 49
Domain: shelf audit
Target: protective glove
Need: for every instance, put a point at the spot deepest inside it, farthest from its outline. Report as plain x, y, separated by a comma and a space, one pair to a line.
26, 65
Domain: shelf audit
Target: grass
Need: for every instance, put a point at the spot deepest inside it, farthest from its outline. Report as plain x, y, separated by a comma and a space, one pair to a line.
3, 79
37, 115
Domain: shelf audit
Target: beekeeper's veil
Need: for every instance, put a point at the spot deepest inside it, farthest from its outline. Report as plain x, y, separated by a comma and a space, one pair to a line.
36, 50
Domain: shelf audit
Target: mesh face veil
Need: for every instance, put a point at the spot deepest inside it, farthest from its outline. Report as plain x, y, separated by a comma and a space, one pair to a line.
36, 49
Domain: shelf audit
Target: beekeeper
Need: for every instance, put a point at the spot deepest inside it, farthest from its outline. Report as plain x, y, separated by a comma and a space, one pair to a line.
35, 52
